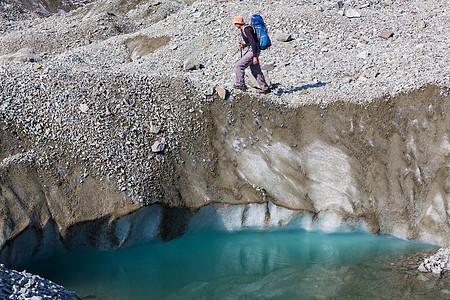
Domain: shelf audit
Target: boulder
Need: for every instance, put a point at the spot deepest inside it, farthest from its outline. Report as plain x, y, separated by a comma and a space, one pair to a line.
21, 56
252, 80
222, 92
192, 64
284, 37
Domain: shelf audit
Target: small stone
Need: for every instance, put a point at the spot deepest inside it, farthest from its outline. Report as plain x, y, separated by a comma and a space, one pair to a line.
222, 92
363, 55
159, 146
422, 268
209, 91
84, 108
155, 129
284, 37
340, 4
386, 34
346, 79
352, 13
37, 67
421, 24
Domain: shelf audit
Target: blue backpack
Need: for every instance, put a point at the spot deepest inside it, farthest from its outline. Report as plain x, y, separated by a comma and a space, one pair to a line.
258, 24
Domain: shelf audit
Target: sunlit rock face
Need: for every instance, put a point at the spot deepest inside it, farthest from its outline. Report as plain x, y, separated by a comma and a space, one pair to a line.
382, 167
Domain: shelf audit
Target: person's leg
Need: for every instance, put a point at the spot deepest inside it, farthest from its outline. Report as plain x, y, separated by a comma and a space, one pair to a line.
243, 63
259, 76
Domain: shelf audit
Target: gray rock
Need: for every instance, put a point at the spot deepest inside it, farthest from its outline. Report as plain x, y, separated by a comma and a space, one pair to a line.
209, 91
84, 108
155, 129
284, 37
159, 146
363, 55
422, 268
346, 79
192, 64
352, 13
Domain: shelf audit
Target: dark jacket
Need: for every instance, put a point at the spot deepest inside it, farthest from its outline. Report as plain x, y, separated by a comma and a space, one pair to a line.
250, 39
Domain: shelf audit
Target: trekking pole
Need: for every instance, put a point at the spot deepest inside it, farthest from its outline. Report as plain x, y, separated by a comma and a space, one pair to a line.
240, 47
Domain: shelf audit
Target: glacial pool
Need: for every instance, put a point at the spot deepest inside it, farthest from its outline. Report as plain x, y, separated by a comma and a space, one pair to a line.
280, 264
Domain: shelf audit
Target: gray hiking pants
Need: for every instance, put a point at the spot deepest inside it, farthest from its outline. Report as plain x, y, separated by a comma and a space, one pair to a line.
243, 63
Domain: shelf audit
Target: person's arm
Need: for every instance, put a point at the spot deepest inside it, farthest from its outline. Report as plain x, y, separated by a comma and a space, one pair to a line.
251, 40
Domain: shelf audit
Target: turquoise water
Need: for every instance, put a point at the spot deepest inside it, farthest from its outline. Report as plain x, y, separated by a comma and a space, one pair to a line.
285, 264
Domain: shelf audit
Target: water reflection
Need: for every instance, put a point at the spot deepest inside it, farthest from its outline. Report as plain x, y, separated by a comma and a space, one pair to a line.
278, 264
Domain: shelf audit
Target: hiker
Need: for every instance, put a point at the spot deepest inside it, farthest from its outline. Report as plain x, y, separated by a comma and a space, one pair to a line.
250, 57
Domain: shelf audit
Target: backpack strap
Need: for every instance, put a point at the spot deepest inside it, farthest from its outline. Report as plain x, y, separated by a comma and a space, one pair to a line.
254, 31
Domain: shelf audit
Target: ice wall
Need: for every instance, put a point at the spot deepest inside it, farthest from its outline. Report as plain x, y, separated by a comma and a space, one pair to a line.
381, 166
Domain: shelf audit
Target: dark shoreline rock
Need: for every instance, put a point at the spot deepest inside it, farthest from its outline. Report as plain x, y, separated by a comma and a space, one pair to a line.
23, 285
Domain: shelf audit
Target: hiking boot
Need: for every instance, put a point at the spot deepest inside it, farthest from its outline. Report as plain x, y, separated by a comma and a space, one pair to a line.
240, 87
265, 91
